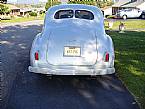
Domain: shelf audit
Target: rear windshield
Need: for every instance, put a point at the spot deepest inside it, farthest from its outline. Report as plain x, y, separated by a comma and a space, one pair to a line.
84, 14
63, 14
81, 14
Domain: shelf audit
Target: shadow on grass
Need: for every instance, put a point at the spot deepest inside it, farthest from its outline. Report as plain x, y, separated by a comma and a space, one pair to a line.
130, 61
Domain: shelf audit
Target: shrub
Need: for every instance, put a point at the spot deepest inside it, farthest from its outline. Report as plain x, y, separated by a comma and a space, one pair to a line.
42, 12
4, 9
87, 2
33, 14
100, 4
110, 16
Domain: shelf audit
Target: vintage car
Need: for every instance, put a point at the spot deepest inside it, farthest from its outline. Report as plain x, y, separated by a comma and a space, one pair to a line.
73, 42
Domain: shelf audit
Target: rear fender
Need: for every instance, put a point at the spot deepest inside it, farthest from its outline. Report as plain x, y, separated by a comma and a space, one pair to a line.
110, 50
35, 47
105, 44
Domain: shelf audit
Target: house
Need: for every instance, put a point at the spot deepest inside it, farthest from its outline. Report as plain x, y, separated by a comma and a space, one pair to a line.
39, 10
14, 10
107, 11
123, 4
118, 5
25, 11
135, 4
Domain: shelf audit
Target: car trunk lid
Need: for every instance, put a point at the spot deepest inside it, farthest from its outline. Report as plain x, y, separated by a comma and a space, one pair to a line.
72, 46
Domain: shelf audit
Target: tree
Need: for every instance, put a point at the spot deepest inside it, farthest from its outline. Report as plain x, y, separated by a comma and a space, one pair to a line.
3, 1
99, 3
51, 3
4, 9
87, 2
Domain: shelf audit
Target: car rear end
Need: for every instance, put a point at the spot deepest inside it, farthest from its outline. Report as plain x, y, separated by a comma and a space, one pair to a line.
72, 46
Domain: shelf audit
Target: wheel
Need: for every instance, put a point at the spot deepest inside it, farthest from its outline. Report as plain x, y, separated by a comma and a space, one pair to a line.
143, 16
124, 17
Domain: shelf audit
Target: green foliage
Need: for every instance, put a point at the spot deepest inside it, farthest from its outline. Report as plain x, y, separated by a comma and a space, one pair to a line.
51, 3
42, 12
87, 2
110, 16
100, 4
3, 1
103, 4
4, 9
33, 14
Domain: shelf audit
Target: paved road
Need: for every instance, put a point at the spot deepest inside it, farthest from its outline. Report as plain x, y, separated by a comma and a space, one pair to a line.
32, 91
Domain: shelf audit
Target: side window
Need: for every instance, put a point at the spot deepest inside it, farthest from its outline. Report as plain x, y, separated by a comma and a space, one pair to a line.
84, 14
61, 14
128, 10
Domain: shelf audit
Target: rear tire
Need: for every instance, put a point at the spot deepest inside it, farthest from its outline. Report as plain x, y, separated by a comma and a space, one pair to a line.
143, 16
124, 17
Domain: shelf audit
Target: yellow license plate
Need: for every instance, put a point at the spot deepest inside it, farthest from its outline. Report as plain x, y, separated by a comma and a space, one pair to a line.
72, 51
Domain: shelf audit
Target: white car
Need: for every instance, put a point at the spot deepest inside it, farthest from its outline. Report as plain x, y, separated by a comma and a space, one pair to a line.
129, 13
73, 42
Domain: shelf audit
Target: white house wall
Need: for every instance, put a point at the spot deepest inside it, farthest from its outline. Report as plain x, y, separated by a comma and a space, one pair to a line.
142, 6
108, 11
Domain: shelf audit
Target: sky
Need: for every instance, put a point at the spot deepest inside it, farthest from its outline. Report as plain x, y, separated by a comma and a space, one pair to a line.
26, 1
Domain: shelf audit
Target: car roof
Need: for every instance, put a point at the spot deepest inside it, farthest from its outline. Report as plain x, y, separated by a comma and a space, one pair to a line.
74, 6
94, 9
50, 22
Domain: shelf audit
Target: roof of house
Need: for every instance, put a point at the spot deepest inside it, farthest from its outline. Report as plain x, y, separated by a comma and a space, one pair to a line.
25, 10
128, 3
133, 4
107, 7
12, 7
38, 9
120, 3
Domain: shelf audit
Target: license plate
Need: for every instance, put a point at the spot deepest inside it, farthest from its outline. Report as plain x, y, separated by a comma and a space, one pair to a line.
72, 51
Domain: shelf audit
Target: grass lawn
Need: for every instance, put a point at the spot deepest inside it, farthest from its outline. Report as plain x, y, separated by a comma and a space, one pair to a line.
129, 24
23, 19
130, 61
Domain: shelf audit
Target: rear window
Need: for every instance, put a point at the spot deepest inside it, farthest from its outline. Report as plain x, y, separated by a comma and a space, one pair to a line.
63, 14
81, 14
84, 14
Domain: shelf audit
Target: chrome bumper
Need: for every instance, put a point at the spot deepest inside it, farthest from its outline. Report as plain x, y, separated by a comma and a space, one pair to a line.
81, 71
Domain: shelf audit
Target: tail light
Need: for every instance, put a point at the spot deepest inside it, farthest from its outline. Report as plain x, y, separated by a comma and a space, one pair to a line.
36, 56
106, 57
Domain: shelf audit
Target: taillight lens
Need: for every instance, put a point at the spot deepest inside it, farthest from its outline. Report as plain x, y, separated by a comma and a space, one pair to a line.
106, 57
36, 56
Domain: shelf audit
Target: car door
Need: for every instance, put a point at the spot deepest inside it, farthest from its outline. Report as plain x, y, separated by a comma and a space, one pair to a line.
136, 13
129, 13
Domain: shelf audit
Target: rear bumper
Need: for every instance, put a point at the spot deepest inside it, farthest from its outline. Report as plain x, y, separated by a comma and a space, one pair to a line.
78, 71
